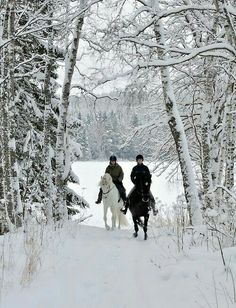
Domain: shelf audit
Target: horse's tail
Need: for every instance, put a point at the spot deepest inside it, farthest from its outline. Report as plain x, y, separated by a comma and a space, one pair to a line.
121, 219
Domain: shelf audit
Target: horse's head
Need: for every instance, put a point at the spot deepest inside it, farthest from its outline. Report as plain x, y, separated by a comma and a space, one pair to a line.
106, 180
142, 185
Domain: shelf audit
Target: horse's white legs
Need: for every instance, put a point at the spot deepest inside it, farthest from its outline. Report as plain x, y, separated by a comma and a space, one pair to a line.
113, 219
118, 213
105, 217
119, 218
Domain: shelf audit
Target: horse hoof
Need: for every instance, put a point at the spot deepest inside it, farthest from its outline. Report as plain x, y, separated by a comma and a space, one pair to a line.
145, 236
107, 227
135, 234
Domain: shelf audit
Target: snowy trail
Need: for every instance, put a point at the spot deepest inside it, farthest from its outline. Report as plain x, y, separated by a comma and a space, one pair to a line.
88, 267
97, 269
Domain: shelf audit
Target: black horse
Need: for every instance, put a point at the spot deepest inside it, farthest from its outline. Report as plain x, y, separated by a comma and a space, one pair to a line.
139, 206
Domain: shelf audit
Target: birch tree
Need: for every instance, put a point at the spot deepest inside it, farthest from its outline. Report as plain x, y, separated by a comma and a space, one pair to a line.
11, 195
47, 145
63, 168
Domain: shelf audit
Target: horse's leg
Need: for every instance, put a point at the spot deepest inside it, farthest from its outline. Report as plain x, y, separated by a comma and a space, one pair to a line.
118, 213
135, 234
113, 218
146, 217
105, 216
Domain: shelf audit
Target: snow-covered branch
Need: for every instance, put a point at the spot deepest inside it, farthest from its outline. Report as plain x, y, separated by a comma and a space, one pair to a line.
194, 53
77, 86
224, 189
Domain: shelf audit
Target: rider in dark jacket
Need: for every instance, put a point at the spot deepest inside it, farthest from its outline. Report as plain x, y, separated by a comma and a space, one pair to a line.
140, 172
117, 174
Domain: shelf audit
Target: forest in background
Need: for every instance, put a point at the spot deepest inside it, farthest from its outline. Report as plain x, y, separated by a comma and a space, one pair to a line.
114, 127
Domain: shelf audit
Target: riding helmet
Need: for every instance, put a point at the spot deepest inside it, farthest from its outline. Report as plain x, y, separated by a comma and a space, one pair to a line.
113, 158
139, 157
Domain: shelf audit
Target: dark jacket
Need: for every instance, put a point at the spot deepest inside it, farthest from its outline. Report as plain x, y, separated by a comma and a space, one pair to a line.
140, 172
115, 172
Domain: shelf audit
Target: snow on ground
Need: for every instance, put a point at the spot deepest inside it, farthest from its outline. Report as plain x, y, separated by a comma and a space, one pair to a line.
88, 267
85, 266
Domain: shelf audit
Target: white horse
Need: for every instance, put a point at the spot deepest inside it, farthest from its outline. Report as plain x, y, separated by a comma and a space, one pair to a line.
110, 197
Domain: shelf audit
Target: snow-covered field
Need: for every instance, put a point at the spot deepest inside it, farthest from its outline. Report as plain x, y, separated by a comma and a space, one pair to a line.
85, 266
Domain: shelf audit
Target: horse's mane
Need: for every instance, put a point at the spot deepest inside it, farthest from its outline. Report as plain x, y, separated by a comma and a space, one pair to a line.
106, 179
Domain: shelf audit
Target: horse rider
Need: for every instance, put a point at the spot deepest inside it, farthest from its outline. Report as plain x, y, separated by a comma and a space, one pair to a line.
141, 172
117, 174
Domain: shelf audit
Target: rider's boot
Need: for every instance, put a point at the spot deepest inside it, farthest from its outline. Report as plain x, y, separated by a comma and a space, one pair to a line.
99, 200
125, 207
124, 211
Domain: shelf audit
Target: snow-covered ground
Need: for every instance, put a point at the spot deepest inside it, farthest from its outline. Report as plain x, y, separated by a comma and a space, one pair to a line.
85, 266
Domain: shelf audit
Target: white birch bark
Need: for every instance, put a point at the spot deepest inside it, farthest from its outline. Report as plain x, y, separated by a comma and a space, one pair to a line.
48, 183
205, 155
230, 101
61, 146
5, 123
231, 135
12, 98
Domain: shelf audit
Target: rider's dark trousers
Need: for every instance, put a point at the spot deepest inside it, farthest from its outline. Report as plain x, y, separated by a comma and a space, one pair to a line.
121, 189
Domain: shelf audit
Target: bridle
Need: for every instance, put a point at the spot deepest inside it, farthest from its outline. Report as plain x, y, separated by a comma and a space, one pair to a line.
140, 189
105, 193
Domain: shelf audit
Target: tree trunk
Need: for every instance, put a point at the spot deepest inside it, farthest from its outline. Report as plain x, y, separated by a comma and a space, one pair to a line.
231, 135
5, 122
61, 172
205, 155
11, 99
48, 182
